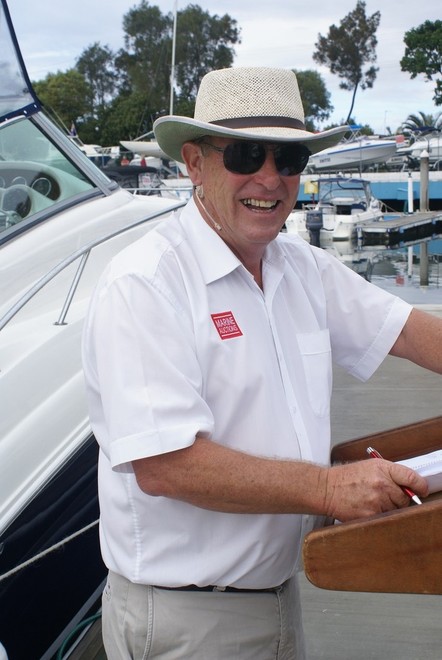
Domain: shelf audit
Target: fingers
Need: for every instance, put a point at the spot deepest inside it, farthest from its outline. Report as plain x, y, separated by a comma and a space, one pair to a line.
366, 488
405, 476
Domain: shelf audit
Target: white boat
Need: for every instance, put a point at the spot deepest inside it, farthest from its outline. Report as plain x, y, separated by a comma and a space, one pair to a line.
354, 153
432, 144
144, 148
342, 203
175, 182
180, 188
61, 220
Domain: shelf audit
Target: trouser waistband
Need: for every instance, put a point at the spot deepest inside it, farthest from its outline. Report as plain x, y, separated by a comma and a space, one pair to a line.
212, 587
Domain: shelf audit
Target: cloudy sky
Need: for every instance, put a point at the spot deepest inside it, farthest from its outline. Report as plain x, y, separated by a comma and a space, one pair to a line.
281, 33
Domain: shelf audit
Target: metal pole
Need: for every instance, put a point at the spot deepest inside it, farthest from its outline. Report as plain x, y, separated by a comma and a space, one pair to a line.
172, 70
410, 261
410, 193
425, 161
424, 263
424, 174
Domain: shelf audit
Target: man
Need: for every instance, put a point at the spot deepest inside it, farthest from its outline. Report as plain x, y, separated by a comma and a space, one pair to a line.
207, 356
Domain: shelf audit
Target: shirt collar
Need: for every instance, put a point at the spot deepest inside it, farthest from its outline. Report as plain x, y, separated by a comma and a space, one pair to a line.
215, 257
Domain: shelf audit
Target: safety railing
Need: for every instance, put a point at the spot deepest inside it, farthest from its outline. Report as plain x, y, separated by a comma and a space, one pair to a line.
82, 254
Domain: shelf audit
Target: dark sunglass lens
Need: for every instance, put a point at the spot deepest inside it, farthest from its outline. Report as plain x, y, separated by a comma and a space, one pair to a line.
291, 159
244, 157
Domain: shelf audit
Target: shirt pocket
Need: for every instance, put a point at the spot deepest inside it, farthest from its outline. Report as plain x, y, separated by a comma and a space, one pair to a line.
315, 350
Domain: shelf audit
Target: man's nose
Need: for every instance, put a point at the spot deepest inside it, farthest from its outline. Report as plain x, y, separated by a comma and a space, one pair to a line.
268, 172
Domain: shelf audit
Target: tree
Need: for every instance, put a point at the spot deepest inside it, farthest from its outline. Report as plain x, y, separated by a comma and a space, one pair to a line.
315, 97
118, 96
423, 54
126, 117
422, 123
96, 63
66, 95
145, 62
347, 48
203, 43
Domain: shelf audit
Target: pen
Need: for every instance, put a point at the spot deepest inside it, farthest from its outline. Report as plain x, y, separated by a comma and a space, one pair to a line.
373, 453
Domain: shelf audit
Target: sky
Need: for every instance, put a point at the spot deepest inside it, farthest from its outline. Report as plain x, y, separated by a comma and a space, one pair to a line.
281, 33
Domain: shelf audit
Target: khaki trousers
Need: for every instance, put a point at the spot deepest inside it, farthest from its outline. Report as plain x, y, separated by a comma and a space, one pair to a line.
142, 622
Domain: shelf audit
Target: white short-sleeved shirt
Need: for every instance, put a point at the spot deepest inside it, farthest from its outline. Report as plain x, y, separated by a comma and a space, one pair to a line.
180, 340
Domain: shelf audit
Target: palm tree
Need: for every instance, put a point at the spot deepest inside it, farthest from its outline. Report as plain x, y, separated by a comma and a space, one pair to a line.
422, 123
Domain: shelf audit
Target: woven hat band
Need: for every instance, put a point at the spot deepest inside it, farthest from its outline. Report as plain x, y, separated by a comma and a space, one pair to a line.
264, 122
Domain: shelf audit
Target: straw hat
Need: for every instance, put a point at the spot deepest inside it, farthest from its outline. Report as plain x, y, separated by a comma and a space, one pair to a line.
253, 103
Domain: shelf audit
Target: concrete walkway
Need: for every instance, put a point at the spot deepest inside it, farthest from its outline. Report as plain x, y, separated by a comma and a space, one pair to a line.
363, 626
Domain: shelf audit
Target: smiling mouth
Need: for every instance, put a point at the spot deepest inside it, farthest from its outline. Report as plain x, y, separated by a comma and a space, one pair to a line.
260, 204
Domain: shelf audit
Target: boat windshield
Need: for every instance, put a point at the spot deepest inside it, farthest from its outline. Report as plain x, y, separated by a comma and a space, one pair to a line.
17, 95
352, 191
34, 173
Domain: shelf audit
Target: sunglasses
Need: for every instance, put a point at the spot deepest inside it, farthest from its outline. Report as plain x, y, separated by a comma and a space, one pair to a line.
245, 157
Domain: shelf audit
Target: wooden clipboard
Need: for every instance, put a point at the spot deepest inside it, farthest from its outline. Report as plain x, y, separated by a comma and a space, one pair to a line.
395, 552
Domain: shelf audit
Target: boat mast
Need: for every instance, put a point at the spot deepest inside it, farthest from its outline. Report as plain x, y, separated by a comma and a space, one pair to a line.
172, 70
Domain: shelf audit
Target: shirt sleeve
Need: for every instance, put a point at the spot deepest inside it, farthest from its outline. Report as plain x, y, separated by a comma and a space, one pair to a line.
364, 320
146, 371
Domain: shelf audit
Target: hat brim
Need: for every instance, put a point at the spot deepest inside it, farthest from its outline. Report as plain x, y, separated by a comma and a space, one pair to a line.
172, 131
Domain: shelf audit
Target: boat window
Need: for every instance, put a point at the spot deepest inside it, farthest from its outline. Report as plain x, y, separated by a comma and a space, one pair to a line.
350, 192
34, 173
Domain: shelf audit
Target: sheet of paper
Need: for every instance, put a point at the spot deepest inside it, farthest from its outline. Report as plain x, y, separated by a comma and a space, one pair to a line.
429, 466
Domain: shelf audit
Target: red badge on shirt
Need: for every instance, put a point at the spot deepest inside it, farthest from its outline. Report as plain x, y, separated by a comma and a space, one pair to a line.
226, 325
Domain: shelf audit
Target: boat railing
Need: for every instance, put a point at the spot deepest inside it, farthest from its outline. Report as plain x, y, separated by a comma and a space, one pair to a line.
183, 192
82, 254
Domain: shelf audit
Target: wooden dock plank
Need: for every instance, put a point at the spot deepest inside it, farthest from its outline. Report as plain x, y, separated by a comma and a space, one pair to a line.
91, 646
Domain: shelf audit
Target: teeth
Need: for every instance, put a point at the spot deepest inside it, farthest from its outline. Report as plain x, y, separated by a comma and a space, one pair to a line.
262, 203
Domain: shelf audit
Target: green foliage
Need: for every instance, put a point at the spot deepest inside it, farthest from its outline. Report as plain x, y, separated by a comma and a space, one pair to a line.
96, 63
203, 44
117, 96
145, 61
420, 121
144, 66
67, 95
347, 48
126, 118
423, 54
315, 97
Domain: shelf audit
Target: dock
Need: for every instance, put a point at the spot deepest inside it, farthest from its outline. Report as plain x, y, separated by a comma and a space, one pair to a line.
401, 229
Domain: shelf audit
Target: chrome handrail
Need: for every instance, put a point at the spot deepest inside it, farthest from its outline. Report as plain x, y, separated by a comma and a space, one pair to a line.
82, 253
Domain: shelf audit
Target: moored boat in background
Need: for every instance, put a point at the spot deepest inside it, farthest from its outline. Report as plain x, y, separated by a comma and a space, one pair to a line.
356, 153
342, 204
431, 144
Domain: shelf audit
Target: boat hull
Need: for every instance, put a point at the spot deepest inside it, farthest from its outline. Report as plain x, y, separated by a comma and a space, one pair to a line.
67, 504
144, 148
354, 155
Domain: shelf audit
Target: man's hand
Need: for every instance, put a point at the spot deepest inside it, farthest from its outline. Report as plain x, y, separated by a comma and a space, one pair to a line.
368, 487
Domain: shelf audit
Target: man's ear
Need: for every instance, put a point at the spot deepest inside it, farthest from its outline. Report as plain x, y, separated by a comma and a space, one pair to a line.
193, 157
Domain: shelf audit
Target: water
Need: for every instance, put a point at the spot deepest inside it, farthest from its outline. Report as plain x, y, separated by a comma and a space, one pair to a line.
390, 270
